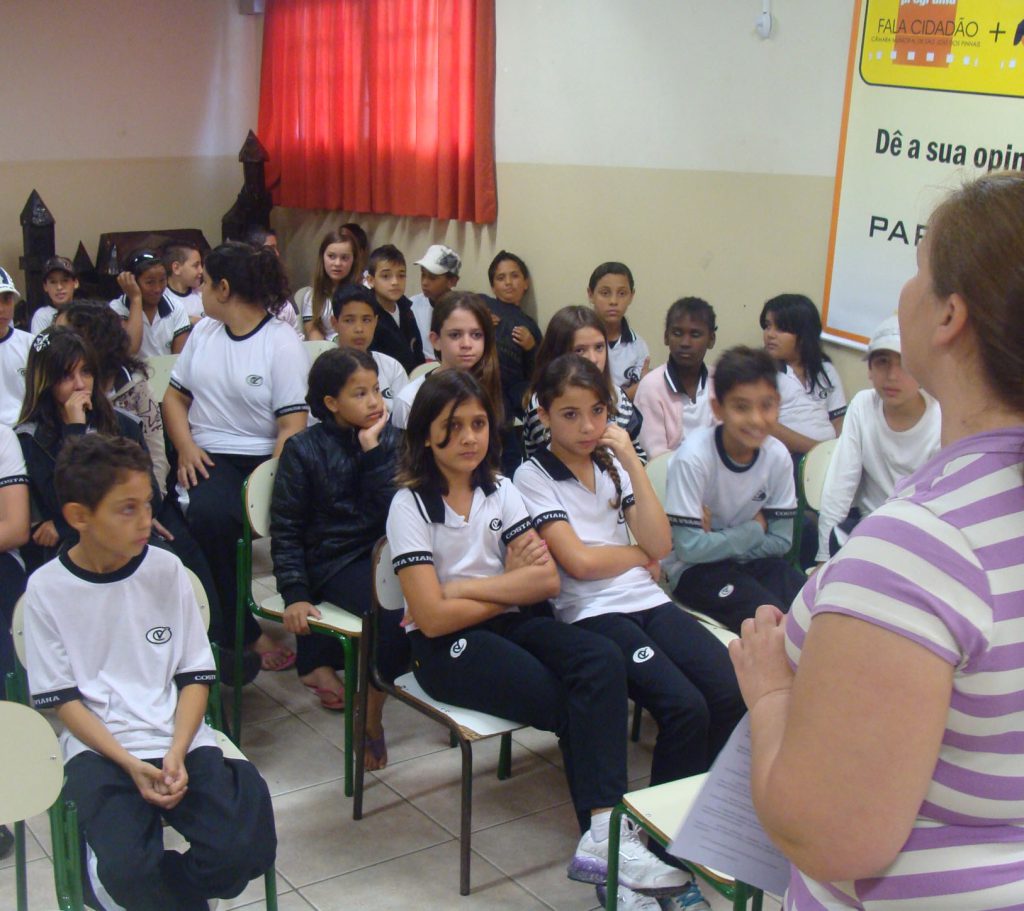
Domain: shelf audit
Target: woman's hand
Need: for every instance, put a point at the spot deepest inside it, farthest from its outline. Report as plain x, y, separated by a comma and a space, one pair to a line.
75, 408
759, 656
705, 517
162, 531
296, 617
127, 283
369, 437
523, 337
618, 441
529, 549
46, 535
192, 464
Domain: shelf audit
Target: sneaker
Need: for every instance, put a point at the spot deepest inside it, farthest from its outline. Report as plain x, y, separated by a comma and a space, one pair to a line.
628, 900
690, 899
639, 869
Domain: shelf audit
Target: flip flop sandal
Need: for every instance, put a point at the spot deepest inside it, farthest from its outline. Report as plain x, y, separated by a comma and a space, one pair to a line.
331, 700
277, 659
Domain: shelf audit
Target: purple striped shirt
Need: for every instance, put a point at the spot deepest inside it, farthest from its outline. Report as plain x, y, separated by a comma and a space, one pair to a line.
942, 564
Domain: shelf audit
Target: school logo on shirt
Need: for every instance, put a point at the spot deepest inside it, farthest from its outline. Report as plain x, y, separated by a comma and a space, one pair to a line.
21, 371
622, 517
760, 496
495, 524
642, 654
632, 375
387, 393
458, 647
726, 591
822, 394
159, 635
254, 379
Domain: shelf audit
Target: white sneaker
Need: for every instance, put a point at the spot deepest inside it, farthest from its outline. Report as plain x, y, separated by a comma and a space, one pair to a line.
690, 899
639, 869
628, 900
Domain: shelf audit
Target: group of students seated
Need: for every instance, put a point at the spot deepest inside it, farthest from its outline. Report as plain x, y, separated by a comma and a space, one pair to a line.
542, 576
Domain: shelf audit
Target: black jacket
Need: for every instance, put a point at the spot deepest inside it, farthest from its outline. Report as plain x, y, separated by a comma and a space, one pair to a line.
400, 340
330, 505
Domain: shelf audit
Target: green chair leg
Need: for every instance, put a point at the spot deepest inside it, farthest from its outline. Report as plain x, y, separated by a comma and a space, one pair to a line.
270, 888
20, 871
351, 669
505, 757
242, 586
638, 716
612, 885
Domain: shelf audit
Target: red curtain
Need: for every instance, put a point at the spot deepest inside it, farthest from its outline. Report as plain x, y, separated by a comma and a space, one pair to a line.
380, 106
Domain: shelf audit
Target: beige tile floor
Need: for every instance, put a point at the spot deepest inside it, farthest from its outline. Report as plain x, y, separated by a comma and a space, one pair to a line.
403, 854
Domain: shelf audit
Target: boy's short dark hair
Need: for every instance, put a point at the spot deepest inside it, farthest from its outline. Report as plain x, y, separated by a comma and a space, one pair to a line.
89, 466
389, 253
358, 233
696, 307
345, 294
177, 251
741, 365
256, 235
330, 372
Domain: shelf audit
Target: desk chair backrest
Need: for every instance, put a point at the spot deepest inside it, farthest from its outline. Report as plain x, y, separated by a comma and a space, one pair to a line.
160, 367
386, 585
814, 470
657, 473
259, 490
428, 367
316, 347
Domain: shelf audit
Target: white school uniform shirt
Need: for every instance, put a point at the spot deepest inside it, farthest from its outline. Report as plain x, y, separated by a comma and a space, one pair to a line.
424, 313
13, 357
241, 385
124, 643
807, 411
12, 469
626, 356
169, 321
391, 375
422, 528
700, 473
192, 301
871, 458
401, 404
552, 493
304, 304
42, 319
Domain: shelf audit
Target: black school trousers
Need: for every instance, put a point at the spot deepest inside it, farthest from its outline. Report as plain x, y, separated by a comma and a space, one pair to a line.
226, 816
550, 675
683, 676
731, 591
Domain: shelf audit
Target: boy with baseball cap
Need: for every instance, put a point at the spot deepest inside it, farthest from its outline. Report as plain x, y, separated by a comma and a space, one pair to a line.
60, 284
439, 274
890, 431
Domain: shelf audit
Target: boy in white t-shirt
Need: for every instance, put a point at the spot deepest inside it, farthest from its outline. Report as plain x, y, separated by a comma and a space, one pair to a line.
354, 316
59, 285
115, 643
439, 274
889, 432
14, 346
184, 265
731, 500
610, 292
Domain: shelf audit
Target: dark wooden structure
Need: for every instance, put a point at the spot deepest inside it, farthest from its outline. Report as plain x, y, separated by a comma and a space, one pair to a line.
38, 245
253, 204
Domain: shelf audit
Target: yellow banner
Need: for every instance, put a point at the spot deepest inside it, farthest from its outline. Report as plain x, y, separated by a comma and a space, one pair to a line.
973, 46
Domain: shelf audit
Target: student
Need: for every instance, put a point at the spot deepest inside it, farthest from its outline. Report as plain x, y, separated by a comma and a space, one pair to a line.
258, 236
14, 345
396, 334
812, 399
439, 274
610, 292
237, 393
731, 501
184, 265
354, 316
579, 330
889, 432
462, 333
467, 559
337, 263
584, 489
59, 285
14, 533
332, 491
675, 399
121, 376
115, 643
155, 323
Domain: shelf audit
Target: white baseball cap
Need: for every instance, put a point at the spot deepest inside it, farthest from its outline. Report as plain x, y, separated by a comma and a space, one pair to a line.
7, 283
886, 337
440, 260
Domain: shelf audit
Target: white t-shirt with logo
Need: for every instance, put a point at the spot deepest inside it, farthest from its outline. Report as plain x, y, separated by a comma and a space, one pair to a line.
241, 385
304, 303
123, 643
700, 474
423, 529
192, 301
811, 411
391, 376
13, 357
553, 494
169, 321
626, 357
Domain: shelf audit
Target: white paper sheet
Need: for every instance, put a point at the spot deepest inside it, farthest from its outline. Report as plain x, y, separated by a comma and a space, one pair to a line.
722, 830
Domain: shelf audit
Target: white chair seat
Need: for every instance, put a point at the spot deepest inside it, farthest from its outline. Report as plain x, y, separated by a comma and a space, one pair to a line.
227, 747
474, 725
30, 757
333, 617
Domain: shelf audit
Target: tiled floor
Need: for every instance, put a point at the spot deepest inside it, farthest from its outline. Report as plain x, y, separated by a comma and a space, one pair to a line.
403, 854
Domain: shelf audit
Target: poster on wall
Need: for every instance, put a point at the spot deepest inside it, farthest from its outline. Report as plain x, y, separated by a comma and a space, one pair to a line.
933, 98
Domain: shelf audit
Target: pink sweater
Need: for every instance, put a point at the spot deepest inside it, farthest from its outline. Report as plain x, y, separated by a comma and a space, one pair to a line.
668, 412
